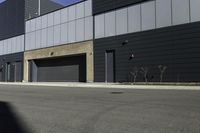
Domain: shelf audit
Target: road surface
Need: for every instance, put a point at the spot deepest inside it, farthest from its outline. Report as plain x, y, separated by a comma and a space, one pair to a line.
34, 109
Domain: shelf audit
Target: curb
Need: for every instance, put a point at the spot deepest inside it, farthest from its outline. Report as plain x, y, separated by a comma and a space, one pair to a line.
108, 85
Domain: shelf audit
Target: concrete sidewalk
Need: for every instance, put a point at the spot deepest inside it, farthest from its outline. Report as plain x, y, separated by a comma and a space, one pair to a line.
109, 85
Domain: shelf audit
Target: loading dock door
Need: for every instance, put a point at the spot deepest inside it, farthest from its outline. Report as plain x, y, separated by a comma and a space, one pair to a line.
18, 71
63, 69
14, 72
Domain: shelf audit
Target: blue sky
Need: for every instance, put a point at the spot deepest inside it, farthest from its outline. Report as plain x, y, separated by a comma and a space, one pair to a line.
65, 2
2, 1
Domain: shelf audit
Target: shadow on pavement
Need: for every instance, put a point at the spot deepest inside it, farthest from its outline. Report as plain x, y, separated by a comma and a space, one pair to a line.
9, 122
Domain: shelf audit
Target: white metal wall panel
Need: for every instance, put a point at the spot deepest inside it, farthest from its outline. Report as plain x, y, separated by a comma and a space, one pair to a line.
134, 18
195, 10
21, 49
80, 30
1, 47
56, 35
22, 42
72, 13
64, 33
88, 28
57, 17
9, 47
38, 23
64, 15
163, 13
148, 15
110, 24
28, 25
180, 11
13, 45
33, 25
67, 25
32, 42
71, 31
44, 38
38, 39
18, 44
80, 10
50, 18
50, 36
121, 21
44, 21
27, 40
99, 26
88, 8
5, 45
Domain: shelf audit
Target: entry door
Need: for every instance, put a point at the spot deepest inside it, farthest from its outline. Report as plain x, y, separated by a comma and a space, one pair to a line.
110, 64
8, 71
1, 75
12, 72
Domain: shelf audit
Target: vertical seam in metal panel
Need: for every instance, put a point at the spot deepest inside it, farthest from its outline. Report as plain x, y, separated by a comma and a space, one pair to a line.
104, 15
155, 14
84, 19
60, 29
115, 11
41, 31
128, 19
190, 11
93, 19
54, 13
141, 17
67, 25
75, 22
35, 35
171, 13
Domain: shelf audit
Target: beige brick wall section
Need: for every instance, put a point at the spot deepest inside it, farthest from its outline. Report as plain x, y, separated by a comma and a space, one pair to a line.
63, 50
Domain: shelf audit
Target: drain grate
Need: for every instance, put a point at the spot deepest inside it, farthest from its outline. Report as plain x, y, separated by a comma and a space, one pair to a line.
116, 92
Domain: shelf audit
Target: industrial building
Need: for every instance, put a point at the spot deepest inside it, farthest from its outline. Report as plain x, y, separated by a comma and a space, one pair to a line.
100, 41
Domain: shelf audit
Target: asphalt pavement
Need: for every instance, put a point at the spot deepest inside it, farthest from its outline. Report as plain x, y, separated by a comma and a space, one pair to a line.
45, 109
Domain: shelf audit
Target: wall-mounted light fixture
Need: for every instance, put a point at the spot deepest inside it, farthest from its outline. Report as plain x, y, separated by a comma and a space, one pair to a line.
125, 42
131, 57
51, 53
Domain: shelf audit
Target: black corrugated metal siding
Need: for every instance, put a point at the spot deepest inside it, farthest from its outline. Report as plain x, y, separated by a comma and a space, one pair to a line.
100, 6
12, 18
176, 47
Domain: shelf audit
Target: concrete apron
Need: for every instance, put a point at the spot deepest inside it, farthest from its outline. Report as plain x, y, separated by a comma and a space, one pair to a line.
106, 85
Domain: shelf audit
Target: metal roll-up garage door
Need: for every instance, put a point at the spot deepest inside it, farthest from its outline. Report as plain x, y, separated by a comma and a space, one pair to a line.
63, 69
